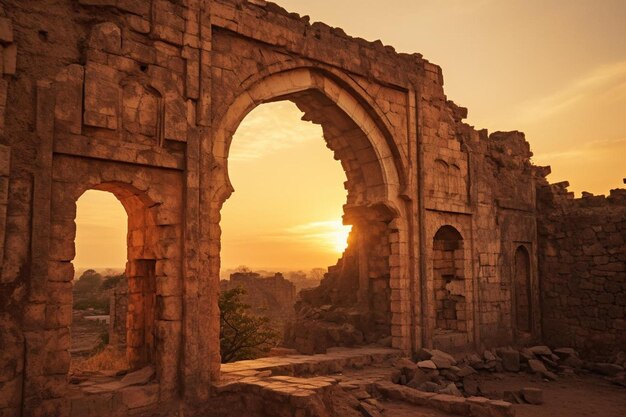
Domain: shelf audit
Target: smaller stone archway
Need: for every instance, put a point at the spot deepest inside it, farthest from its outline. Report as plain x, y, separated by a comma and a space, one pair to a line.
152, 200
522, 290
449, 281
141, 244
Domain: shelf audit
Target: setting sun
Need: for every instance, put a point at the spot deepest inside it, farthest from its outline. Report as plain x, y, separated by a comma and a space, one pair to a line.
340, 237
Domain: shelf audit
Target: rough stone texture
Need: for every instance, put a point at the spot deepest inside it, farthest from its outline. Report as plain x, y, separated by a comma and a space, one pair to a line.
583, 269
118, 313
141, 99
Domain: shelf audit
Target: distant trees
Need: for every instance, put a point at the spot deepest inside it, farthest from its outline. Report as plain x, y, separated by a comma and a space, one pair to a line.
243, 335
91, 290
88, 282
111, 282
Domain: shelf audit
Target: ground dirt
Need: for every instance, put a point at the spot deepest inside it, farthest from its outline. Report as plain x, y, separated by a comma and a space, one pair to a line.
574, 396
571, 396
393, 409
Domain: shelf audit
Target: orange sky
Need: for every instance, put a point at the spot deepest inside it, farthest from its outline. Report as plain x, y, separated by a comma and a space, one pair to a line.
554, 69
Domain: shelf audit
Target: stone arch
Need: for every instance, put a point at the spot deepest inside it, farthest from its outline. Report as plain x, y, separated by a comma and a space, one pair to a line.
373, 170
449, 277
142, 241
152, 200
350, 131
522, 290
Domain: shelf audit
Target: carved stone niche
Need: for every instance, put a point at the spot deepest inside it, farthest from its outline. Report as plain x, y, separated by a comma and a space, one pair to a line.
142, 113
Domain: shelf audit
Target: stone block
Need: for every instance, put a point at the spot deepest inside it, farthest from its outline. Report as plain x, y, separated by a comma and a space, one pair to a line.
510, 360
9, 59
175, 117
106, 37
532, 395
101, 96
68, 107
6, 30
427, 364
138, 24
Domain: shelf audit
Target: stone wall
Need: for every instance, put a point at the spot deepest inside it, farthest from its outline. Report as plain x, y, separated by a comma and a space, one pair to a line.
118, 311
583, 269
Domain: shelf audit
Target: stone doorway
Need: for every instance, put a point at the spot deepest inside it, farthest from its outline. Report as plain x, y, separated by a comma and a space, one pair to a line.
138, 325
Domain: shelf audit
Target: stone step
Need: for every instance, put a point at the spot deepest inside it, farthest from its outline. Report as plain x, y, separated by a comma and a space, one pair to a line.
333, 361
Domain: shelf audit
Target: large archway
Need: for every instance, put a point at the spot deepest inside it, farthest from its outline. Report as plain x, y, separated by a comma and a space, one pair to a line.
370, 273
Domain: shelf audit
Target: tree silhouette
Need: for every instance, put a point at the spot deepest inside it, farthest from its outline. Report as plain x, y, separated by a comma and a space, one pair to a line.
242, 334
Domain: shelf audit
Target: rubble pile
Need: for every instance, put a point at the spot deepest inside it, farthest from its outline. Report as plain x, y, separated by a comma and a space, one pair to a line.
438, 372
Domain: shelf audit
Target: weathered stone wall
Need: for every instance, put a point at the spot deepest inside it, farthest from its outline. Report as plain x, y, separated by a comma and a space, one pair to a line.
118, 310
583, 269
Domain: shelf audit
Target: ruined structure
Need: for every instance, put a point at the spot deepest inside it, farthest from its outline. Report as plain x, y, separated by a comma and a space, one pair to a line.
271, 296
583, 269
141, 99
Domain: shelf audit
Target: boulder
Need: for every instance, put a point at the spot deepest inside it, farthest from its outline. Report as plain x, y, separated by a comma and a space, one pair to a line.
442, 354
526, 354
550, 375
473, 358
532, 395
419, 377
429, 387
442, 362
470, 385
407, 367
608, 369
514, 397
510, 360
450, 375
537, 366
541, 350
466, 370
368, 410
428, 364
573, 362
565, 352
451, 389
489, 356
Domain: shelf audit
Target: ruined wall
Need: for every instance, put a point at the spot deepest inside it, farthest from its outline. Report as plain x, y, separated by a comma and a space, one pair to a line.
118, 310
271, 296
582, 263
482, 185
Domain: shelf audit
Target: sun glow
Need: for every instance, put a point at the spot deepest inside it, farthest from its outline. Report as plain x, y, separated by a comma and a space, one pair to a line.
339, 237
331, 235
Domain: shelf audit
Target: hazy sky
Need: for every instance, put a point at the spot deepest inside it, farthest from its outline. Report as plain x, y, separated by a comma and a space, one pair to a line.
554, 69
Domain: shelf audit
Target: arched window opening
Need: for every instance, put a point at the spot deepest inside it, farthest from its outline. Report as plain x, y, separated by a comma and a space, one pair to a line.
449, 281
523, 307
